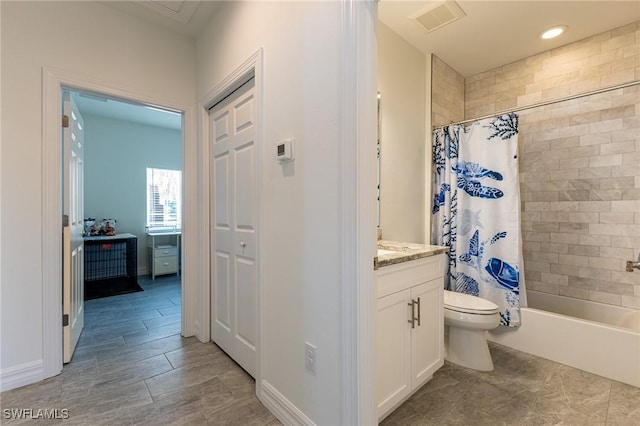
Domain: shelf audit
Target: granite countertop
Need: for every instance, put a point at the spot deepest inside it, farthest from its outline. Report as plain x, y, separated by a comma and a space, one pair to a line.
404, 252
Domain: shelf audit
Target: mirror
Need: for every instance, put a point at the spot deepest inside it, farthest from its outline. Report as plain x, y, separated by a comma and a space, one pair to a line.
402, 78
378, 145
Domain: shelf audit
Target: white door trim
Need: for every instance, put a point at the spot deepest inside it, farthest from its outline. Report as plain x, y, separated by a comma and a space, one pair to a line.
252, 67
53, 81
358, 211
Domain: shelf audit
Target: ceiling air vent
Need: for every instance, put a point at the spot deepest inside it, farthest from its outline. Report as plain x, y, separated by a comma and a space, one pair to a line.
177, 10
440, 15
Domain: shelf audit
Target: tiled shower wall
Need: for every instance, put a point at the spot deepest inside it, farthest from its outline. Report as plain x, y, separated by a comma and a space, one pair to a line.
579, 163
580, 188
447, 93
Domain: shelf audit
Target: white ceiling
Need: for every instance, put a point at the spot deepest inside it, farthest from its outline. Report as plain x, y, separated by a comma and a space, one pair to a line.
496, 33
492, 34
184, 17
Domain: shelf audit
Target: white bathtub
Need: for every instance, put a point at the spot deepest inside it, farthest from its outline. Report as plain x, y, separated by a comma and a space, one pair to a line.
594, 337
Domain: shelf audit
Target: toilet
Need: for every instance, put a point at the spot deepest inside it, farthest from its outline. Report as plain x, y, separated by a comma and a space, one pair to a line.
468, 318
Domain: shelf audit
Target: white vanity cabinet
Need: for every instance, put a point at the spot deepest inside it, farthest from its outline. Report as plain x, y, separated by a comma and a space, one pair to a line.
410, 328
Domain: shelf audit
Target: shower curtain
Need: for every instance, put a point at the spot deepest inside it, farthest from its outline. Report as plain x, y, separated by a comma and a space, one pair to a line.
476, 210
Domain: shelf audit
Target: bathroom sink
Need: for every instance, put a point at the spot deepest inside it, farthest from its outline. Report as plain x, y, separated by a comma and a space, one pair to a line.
382, 252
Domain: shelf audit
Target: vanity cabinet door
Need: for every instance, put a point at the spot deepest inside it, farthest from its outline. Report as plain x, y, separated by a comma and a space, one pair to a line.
393, 354
427, 352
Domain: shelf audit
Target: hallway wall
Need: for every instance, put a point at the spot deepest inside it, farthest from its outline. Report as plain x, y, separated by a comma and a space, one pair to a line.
89, 39
300, 244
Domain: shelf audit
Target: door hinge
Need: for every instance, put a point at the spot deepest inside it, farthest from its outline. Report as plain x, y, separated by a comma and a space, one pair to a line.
65, 320
65, 121
65, 220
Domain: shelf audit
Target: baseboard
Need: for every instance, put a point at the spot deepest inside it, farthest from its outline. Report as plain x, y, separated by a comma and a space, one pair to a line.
21, 375
281, 407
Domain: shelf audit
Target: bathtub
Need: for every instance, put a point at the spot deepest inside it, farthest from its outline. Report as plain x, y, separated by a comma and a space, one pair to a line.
594, 337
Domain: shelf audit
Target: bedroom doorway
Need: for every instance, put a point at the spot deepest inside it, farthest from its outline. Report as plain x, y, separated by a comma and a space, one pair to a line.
132, 200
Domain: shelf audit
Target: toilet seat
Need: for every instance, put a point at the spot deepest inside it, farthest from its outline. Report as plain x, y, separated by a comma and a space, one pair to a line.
468, 304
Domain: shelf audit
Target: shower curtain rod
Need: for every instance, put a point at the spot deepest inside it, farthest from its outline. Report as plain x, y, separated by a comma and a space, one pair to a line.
555, 101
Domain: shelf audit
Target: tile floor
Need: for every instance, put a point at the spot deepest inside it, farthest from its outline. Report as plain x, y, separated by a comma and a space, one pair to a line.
522, 390
132, 367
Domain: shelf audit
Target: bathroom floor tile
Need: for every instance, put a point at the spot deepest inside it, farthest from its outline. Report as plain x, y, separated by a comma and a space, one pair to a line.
523, 390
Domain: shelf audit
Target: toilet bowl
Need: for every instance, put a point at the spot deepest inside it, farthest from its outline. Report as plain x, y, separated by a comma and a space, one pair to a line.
468, 319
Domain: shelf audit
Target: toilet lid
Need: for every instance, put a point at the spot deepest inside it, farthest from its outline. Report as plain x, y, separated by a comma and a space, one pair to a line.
468, 304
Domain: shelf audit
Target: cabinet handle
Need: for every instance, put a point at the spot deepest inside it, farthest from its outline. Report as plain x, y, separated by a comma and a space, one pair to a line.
413, 314
418, 312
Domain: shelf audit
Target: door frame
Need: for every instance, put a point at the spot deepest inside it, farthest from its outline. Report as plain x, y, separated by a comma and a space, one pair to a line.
250, 68
54, 81
358, 89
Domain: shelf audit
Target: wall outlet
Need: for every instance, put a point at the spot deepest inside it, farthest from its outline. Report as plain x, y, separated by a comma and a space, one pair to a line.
310, 357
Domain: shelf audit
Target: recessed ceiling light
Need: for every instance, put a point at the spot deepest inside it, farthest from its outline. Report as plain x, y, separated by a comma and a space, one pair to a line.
553, 32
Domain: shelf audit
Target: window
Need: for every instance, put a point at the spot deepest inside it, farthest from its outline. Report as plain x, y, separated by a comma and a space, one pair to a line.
164, 198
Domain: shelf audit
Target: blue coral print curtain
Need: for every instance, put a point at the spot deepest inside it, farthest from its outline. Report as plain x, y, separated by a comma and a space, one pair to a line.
476, 210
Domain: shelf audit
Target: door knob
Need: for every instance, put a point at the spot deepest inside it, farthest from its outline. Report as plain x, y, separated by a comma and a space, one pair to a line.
243, 244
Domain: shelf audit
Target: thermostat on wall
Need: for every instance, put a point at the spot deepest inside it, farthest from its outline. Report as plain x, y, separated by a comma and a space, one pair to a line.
285, 150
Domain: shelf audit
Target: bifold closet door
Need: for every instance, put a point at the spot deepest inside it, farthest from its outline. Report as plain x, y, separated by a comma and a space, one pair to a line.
234, 289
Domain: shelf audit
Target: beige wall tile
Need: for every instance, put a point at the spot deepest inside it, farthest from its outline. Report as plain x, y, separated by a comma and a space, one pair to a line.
595, 273
566, 259
538, 266
574, 292
579, 163
625, 206
595, 240
608, 298
569, 270
616, 218
605, 229
580, 250
619, 253
543, 287
555, 279
554, 247
625, 277
605, 263
630, 302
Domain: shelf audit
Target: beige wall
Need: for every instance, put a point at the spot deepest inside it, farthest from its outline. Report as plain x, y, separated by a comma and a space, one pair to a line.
402, 75
105, 45
579, 163
300, 276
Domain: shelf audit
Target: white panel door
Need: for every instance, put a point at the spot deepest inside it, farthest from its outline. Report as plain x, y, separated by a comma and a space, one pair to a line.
234, 289
73, 209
